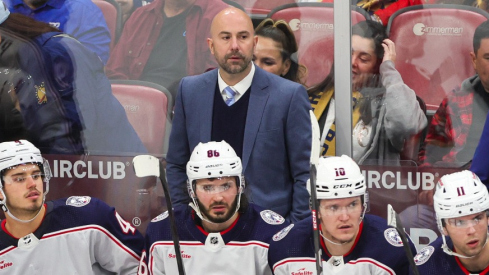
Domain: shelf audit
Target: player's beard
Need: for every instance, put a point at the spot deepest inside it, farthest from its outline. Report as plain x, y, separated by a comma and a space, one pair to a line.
219, 218
25, 213
235, 68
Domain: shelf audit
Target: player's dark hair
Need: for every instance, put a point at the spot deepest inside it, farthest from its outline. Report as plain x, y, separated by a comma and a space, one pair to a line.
280, 32
481, 32
371, 30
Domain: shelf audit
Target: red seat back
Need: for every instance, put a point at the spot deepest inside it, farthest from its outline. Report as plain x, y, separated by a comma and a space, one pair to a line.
148, 108
313, 25
261, 6
433, 45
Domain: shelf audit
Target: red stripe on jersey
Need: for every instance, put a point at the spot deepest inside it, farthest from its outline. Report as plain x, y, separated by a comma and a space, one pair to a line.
222, 232
485, 271
265, 245
7, 250
4, 222
360, 229
293, 260
372, 262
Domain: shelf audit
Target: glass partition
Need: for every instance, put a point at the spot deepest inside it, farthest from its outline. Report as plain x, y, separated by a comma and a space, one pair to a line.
408, 111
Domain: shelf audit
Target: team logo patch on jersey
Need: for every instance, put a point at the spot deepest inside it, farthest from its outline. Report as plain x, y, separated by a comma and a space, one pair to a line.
271, 217
41, 94
282, 233
78, 201
392, 236
424, 255
160, 217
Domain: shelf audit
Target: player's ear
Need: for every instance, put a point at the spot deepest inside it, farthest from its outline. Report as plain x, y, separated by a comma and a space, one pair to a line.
445, 232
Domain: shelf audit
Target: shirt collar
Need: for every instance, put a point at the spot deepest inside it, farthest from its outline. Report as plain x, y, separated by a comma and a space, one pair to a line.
240, 87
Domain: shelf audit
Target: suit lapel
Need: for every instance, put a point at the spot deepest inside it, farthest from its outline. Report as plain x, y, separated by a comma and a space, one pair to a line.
206, 103
259, 94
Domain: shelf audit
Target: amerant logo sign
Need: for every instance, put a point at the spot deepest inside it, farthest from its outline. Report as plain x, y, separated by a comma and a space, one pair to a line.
421, 29
296, 24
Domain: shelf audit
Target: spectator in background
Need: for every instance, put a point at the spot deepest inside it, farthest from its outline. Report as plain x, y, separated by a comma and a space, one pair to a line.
382, 10
264, 117
276, 50
385, 110
165, 41
81, 19
457, 125
60, 89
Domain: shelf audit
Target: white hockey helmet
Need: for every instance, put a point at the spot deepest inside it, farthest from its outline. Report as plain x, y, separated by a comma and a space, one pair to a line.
15, 153
460, 194
4, 12
338, 177
214, 160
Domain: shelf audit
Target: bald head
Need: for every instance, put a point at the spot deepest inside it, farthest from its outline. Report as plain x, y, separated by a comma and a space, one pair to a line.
230, 18
232, 43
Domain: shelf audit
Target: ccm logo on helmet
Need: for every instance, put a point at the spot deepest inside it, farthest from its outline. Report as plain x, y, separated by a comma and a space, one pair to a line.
342, 186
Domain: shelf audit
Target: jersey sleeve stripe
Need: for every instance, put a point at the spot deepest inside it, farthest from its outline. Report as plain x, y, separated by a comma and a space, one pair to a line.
372, 261
97, 228
292, 260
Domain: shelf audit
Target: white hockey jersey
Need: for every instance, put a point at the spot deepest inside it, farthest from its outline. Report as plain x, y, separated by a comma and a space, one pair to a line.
377, 250
240, 249
78, 235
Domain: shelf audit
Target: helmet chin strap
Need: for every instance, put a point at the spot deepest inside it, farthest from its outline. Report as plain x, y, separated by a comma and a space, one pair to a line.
5, 209
344, 243
447, 250
330, 241
195, 206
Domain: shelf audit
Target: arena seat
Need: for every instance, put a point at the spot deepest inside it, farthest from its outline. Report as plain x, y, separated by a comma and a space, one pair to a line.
433, 43
312, 24
113, 17
148, 107
260, 8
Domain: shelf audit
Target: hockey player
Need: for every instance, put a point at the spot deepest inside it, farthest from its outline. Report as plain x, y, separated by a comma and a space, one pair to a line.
78, 235
220, 232
461, 203
351, 242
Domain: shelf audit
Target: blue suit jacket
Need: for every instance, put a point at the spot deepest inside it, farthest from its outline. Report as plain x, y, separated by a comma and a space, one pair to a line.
276, 146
